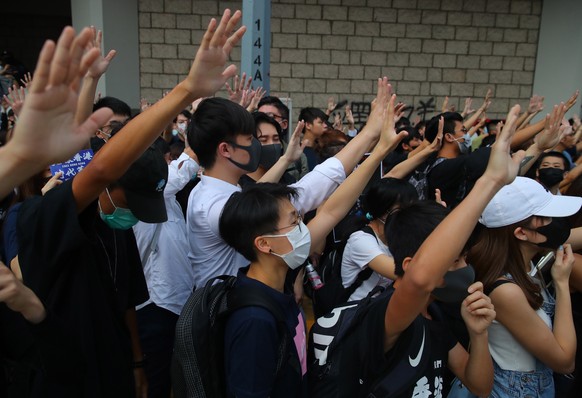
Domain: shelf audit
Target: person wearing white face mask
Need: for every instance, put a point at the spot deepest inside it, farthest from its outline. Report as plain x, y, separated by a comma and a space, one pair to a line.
262, 224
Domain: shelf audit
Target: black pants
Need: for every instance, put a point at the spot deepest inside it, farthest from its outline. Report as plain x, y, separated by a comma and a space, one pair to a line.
156, 328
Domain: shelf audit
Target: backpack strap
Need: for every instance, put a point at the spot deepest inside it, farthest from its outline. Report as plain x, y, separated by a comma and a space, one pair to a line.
249, 296
496, 284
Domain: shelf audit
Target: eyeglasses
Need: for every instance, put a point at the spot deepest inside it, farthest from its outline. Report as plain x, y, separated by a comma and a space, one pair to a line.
296, 223
274, 116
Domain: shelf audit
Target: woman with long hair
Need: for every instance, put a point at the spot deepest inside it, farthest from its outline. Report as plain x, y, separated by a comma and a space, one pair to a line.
533, 333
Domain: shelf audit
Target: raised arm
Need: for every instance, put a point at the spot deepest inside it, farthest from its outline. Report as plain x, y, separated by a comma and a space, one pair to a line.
46, 131
439, 250
362, 143
207, 75
486, 102
402, 169
292, 154
341, 201
90, 80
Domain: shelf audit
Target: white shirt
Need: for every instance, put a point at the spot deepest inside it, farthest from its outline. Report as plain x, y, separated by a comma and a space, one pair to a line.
506, 351
209, 255
360, 250
168, 272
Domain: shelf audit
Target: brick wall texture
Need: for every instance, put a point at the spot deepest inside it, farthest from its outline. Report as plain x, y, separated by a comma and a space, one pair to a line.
322, 48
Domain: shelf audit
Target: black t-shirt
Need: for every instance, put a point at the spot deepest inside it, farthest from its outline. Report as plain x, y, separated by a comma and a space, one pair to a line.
87, 275
312, 157
456, 177
365, 354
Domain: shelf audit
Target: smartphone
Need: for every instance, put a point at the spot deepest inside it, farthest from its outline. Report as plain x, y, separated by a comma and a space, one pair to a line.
544, 267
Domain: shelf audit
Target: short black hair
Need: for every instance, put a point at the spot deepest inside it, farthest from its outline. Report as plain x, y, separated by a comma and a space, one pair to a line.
386, 193
116, 105
277, 103
186, 113
161, 145
261, 117
308, 115
555, 154
407, 228
217, 120
432, 127
412, 134
251, 213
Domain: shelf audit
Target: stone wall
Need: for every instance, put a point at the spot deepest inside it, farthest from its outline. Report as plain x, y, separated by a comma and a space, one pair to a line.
322, 48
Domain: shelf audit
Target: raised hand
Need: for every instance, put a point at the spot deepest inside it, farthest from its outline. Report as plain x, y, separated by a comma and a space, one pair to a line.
563, 264
337, 122
239, 88
436, 144
468, 109
389, 139
536, 104
144, 104
503, 167
208, 73
376, 117
350, 118
331, 105
572, 100
15, 98
259, 94
445, 105
99, 67
477, 310
295, 146
551, 134
27, 80
47, 132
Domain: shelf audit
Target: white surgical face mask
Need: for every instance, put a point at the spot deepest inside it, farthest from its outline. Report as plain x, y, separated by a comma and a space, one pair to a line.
182, 127
300, 240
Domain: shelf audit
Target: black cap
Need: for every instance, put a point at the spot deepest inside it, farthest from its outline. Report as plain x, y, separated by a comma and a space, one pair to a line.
144, 184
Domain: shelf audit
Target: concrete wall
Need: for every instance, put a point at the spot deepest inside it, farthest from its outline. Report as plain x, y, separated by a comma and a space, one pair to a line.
430, 48
559, 60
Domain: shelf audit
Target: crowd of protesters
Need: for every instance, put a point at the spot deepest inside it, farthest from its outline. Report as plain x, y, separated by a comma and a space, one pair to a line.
448, 225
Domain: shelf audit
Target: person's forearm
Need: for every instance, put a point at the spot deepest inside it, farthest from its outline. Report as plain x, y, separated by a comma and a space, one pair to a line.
474, 117
563, 330
523, 123
439, 250
275, 173
479, 370
402, 169
135, 137
575, 238
418, 149
526, 134
355, 149
531, 156
86, 98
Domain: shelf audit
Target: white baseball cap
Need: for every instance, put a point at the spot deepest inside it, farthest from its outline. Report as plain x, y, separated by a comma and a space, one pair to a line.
524, 198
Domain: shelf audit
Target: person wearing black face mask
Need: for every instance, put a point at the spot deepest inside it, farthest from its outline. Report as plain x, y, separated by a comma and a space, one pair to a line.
271, 150
533, 332
551, 171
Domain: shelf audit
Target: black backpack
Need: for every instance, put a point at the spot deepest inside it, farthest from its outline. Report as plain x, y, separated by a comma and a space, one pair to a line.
330, 378
333, 292
198, 360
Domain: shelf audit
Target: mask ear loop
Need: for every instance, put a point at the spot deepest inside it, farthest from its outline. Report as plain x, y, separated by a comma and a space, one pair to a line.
111, 200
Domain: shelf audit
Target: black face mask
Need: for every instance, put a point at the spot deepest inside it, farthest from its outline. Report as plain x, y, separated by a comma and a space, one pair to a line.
456, 284
254, 151
551, 176
557, 233
270, 154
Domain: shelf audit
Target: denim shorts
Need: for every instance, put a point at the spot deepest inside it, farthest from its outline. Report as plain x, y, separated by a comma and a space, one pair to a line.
514, 384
